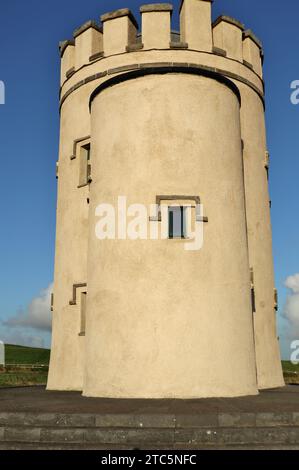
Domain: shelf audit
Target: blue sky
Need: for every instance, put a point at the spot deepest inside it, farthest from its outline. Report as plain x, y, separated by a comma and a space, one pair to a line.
29, 124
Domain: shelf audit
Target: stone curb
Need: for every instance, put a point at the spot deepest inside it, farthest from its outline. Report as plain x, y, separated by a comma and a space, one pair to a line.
158, 437
147, 421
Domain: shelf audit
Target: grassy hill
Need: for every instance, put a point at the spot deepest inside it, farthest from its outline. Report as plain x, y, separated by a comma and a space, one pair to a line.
290, 372
16, 376
289, 367
25, 355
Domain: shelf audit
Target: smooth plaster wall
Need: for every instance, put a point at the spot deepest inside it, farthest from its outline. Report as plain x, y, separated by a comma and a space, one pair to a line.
260, 239
163, 322
67, 352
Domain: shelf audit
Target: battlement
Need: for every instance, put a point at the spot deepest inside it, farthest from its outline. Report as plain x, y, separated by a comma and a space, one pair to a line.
119, 33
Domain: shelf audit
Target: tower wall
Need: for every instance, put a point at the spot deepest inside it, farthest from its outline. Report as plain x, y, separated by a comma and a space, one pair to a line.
167, 309
67, 352
260, 240
149, 122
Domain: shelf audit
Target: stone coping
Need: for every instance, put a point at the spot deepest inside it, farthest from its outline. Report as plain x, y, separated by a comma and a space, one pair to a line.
97, 55
249, 34
153, 7
119, 14
64, 44
178, 45
230, 20
182, 3
85, 27
219, 51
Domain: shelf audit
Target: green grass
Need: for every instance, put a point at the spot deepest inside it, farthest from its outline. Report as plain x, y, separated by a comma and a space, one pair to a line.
25, 355
21, 355
23, 378
289, 367
290, 372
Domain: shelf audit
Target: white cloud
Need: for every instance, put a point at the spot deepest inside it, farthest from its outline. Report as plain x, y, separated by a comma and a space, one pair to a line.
20, 338
291, 308
37, 315
292, 282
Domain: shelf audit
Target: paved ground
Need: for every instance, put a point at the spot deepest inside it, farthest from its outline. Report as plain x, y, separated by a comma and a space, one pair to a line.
38, 400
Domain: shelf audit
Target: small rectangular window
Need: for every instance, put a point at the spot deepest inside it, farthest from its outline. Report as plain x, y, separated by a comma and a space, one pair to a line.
252, 291
83, 313
177, 221
253, 300
84, 165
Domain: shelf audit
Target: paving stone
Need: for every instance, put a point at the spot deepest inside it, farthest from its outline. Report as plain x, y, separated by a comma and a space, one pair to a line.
196, 420
135, 421
196, 436
296, 418
234, 436
130, 436
56, 419
20, 434
237, 419
62, 435
12, 418
274, 419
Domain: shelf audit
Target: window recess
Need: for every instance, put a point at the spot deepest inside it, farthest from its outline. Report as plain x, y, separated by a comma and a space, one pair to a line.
84, 166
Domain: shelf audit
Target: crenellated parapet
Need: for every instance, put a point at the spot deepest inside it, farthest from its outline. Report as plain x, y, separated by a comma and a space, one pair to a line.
117, 43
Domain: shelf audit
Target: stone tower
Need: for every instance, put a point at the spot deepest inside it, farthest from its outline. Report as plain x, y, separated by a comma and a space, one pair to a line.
177, 119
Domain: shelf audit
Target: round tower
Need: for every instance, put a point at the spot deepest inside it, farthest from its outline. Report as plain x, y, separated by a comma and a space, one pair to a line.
172, 122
